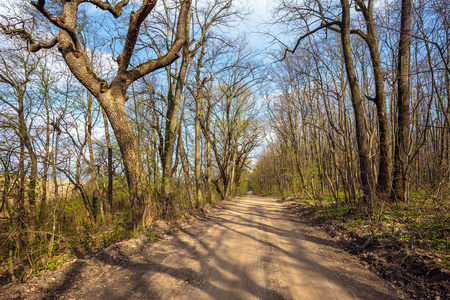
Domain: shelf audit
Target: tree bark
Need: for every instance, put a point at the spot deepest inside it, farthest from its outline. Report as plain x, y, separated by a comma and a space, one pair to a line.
114, 106
385, 161
55, 158
358, 108
400, 180
94, 175
209, 191
185, 166
172, 116
47, 156
109, 194
197, 156
25, 142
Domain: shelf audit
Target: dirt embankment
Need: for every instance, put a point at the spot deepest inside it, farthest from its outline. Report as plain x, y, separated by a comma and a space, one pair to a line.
251, 249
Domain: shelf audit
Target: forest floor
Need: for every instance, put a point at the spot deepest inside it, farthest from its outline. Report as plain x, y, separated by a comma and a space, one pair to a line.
249, 248
415, 273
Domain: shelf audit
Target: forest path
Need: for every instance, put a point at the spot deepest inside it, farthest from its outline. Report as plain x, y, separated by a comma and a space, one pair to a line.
251, 249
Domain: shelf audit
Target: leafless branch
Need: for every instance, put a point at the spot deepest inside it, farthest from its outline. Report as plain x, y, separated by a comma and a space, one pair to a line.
116, 11
170, 56
323, 26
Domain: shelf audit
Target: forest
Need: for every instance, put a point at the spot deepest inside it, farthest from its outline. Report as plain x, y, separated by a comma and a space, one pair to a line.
116, 114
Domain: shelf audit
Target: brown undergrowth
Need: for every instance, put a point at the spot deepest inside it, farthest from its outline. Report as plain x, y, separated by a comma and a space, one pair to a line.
49, 250
49, 284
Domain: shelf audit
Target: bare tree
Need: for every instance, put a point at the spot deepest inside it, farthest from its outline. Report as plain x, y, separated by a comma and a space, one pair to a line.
17, 69
401, 154
113, 95
338, 21
385, 156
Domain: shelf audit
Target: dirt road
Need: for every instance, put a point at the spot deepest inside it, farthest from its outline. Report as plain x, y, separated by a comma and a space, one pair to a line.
251, 249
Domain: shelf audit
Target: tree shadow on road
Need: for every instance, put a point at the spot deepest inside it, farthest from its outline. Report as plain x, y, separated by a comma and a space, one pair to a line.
136, 280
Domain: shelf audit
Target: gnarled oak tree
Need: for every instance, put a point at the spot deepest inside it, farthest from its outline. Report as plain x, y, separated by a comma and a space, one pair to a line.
113, 95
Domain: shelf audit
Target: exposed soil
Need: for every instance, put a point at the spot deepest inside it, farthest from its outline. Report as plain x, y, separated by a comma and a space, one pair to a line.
416, 275
252, 248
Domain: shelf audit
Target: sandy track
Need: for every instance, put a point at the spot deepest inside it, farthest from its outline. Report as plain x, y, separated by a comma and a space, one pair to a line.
252, 249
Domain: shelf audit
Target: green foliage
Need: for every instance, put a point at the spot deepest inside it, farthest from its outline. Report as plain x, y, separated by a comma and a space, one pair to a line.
55, 262
152, 235
63, 230
255, 186
149, 234
242, 188
422, 225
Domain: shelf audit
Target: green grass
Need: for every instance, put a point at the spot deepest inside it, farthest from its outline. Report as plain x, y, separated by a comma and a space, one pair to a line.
149, 234
422, 225
55, 262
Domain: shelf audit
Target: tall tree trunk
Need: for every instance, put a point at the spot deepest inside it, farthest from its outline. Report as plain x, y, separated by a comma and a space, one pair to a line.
170, 138
197, 156
56, 134
230, 168
445, 130
198, 134
185, 166
209, 191
94, 175
207, 134
385, 161
109, 194
26, 143
358, 108
33, 170
47, 158
172, 118
114, 106
20, 198
350, 169
400, 180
